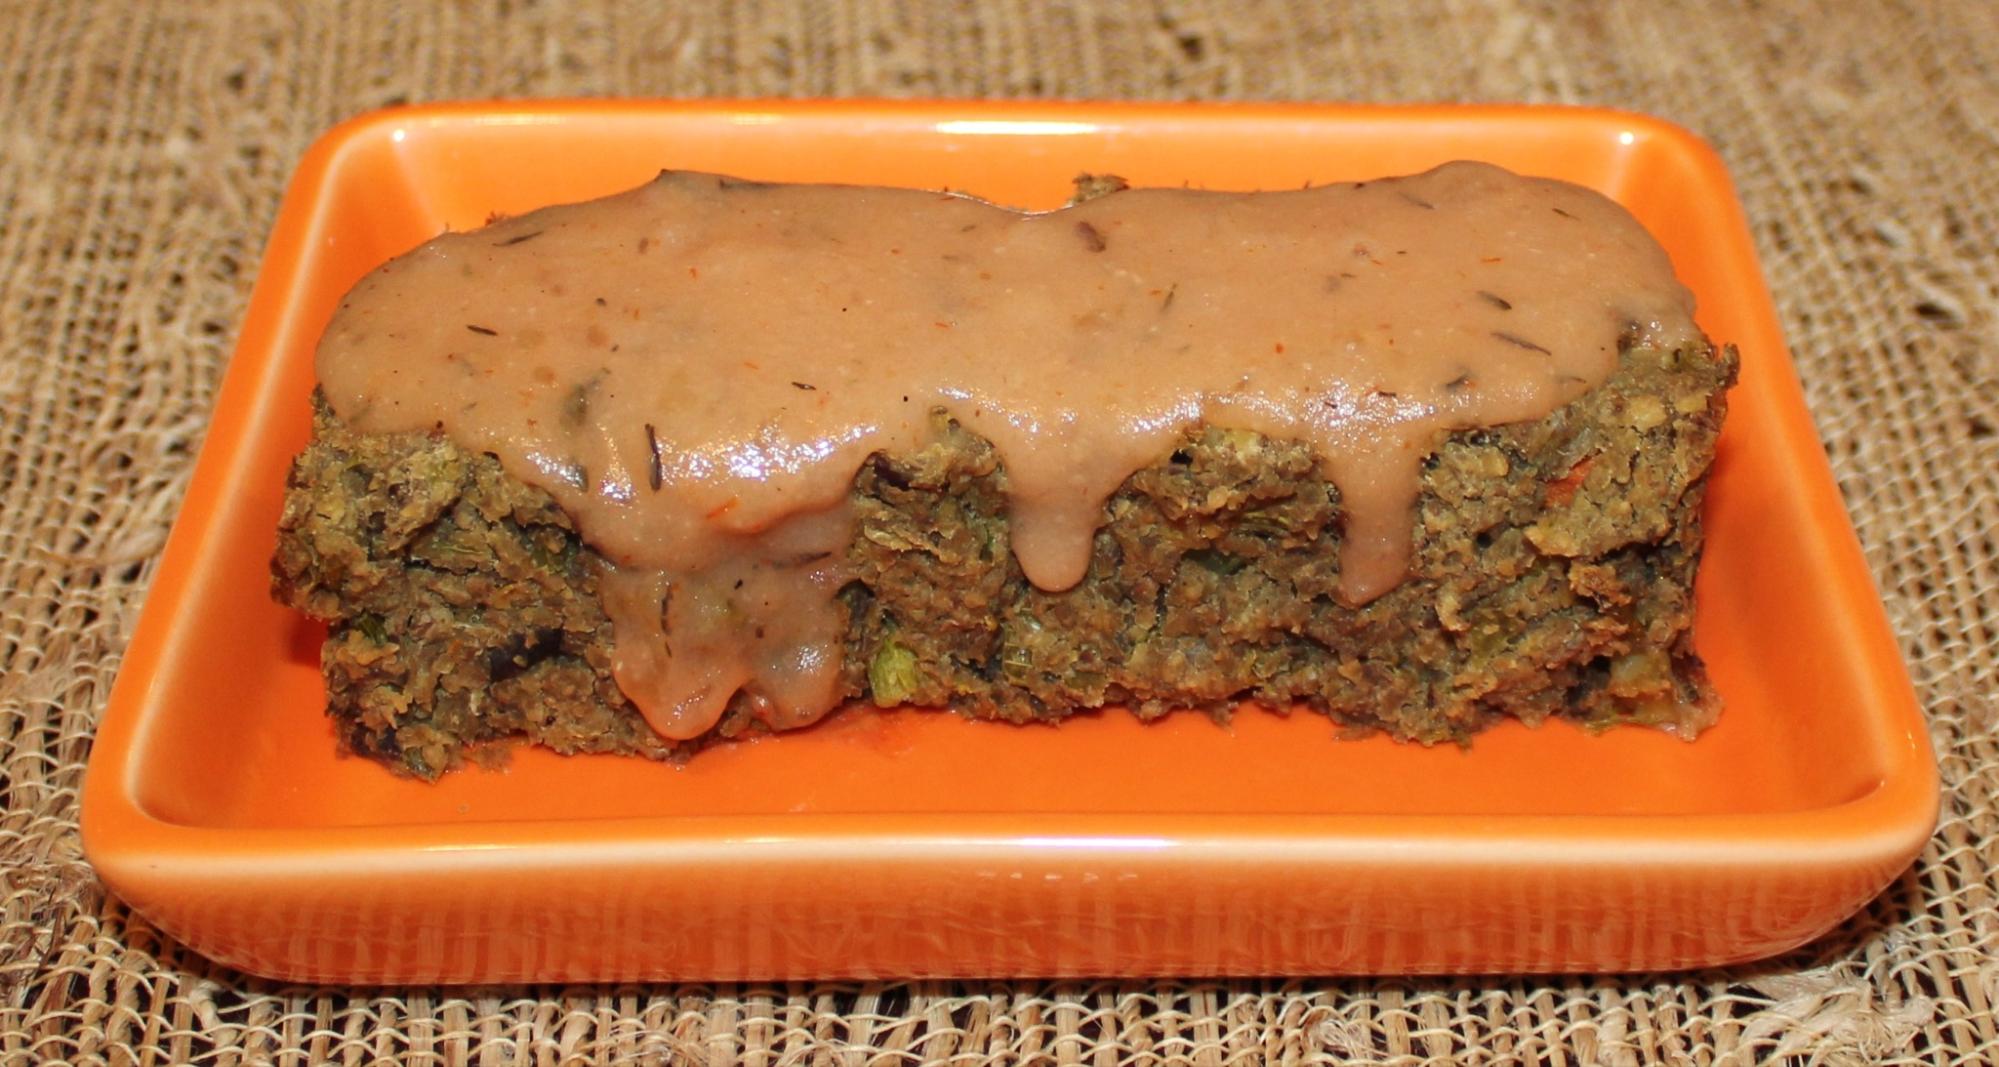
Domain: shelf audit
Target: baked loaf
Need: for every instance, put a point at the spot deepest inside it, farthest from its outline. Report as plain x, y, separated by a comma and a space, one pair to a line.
1549, 572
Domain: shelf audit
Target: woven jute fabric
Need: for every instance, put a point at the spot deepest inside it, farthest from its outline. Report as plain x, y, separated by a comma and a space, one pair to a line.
143, 149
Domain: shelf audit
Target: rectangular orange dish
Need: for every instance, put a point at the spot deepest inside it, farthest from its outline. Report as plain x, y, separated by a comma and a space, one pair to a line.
919, 844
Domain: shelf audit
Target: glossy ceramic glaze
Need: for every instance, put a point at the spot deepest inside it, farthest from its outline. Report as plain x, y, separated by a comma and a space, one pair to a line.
917, 844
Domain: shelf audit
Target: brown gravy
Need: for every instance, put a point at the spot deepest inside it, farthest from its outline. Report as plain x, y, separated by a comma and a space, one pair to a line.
697, 368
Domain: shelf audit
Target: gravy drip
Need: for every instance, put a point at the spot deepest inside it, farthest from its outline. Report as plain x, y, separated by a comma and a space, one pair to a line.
696, 370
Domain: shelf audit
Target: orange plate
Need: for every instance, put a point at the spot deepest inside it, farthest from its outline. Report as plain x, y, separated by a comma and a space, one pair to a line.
915, 844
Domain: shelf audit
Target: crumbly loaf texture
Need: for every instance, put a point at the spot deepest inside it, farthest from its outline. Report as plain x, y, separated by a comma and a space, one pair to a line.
1552, 576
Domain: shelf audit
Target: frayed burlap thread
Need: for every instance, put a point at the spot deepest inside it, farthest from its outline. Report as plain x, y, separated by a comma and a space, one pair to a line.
143, 149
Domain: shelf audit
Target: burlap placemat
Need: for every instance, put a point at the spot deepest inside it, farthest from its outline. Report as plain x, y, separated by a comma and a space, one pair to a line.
145, 147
